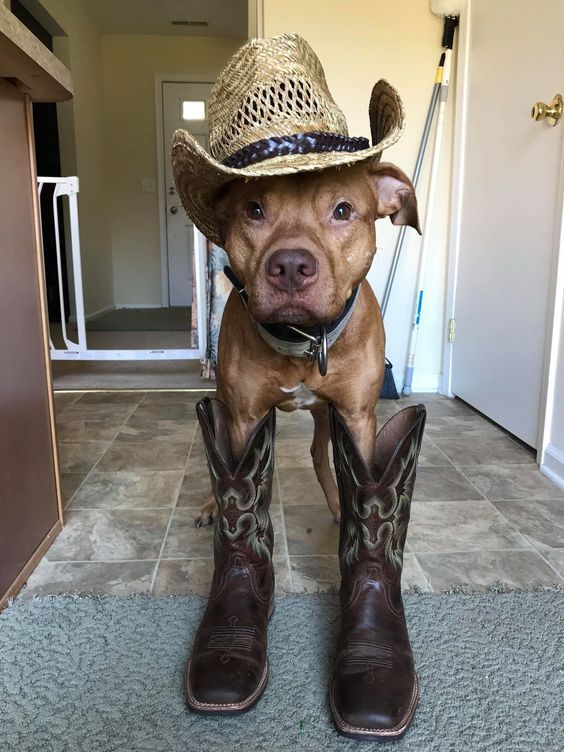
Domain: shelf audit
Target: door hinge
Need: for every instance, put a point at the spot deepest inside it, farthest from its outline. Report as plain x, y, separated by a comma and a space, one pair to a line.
451, 330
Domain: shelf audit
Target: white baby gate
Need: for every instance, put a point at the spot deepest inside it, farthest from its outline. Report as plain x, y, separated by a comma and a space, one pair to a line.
79, 350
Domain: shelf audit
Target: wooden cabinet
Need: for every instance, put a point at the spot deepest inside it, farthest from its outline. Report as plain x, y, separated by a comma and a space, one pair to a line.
30, 502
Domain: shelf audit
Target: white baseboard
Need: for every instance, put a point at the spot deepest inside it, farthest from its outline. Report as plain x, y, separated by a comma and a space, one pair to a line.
139, 305
426, 382
423, 382
552, 465
93, 314
107, 309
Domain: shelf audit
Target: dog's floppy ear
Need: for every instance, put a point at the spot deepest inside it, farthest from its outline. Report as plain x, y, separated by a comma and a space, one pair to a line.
395, 194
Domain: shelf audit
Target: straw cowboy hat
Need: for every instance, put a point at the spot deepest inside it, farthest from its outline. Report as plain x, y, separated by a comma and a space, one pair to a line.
271, 113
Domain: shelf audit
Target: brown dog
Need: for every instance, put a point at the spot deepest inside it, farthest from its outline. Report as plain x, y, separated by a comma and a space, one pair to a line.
300, 244
293, 199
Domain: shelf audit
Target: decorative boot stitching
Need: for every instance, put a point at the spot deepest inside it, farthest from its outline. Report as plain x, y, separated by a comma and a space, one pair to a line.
231, 637
371, 654
378, 515
244, 504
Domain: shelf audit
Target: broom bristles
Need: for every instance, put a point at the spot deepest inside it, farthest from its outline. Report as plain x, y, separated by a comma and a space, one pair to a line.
389, 390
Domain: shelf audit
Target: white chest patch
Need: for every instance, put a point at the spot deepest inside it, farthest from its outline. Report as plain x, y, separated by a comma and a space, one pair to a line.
302, 396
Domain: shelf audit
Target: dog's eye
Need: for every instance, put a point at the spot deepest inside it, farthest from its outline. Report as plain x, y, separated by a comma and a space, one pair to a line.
342, 211
253, 210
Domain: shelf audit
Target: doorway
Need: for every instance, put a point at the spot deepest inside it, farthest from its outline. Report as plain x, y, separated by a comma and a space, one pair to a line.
183, 105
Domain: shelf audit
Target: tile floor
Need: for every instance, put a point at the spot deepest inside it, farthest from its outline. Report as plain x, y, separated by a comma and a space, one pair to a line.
134, 475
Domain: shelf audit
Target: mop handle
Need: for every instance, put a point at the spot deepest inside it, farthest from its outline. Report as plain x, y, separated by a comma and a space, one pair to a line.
427, 224
416, 173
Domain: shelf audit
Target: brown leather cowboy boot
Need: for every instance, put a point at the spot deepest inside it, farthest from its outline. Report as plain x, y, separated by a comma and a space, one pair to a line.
374, 690
228, 668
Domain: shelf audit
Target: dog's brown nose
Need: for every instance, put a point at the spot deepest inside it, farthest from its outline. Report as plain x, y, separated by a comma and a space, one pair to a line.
291, 269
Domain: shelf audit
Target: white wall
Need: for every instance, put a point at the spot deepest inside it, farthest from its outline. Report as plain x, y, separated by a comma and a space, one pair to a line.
359, 42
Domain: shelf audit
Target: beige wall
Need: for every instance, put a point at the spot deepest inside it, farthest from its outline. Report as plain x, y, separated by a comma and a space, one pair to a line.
130, 65
83, 118
359, 42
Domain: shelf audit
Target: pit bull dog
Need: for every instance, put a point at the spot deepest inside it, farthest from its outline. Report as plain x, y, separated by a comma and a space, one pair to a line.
293, 199
301, 244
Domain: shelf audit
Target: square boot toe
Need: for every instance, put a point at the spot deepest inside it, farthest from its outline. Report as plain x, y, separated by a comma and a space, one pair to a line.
231, 687
366, 707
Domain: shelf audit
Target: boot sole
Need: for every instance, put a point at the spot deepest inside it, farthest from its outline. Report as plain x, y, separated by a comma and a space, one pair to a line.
375, 735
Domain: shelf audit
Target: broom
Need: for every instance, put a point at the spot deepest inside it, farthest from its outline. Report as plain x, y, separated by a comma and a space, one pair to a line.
389, 390
450, 12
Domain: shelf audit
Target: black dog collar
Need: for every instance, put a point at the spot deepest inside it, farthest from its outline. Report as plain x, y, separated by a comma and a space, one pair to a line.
300, 342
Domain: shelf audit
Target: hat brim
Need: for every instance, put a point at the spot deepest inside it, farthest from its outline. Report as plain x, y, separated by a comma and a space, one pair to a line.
198, 176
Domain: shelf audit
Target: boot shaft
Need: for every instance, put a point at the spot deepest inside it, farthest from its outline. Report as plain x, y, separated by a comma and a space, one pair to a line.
376, 500
228, 668
242, 489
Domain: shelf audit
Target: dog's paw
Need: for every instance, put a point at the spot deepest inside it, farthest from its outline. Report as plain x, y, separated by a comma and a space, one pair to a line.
207, 514
334, 506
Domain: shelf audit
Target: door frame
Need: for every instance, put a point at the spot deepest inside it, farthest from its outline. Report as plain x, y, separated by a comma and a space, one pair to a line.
457, 183
255, 16
554, 314
160, 79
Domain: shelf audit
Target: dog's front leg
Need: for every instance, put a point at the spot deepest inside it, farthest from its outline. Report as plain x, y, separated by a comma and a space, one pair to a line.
320, 456
362, 424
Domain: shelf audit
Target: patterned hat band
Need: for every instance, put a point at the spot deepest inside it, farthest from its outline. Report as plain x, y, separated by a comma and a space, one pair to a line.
299, 143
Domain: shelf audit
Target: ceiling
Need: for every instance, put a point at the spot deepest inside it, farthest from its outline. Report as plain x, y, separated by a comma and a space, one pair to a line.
226, 18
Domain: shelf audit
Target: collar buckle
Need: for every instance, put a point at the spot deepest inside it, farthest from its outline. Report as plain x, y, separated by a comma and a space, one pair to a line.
318, 346
318, 350
312, 347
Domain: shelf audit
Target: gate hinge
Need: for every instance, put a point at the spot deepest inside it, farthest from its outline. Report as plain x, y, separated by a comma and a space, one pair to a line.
451, 330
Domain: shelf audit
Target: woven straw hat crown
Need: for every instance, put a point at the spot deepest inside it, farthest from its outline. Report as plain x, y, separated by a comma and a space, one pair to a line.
271, 113
270, 86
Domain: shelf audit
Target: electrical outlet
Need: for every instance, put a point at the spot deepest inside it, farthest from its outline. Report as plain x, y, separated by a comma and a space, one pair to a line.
148, 185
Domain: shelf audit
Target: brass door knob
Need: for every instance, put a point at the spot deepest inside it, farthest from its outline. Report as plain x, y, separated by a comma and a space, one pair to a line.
551, 112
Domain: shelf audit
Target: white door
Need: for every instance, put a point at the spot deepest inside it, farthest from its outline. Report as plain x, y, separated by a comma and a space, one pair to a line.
509, 210
184, 106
